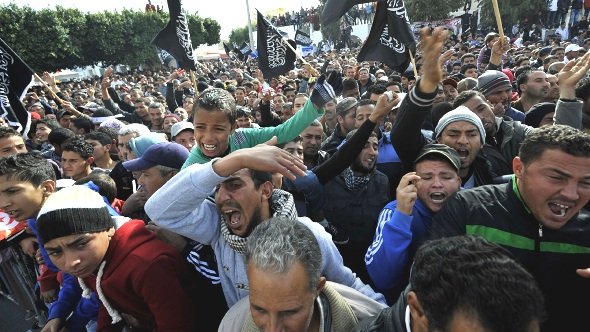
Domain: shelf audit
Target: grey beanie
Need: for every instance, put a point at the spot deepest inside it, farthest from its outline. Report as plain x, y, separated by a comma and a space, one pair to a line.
492, 81
461, 113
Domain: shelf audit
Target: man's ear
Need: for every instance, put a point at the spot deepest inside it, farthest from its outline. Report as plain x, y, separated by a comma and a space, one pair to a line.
320, 285
48, 187
267, 188
419, 319
90, 161
517, 167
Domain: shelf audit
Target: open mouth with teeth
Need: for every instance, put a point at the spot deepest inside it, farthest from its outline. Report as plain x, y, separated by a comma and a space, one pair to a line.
438, 197
232, 217
209, 147
463, 153
559, 210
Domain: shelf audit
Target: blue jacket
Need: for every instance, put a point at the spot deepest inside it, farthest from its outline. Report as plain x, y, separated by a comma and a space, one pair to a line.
396, 240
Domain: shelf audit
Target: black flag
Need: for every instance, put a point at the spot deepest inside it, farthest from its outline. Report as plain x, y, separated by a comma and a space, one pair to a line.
399, 23
274, 56
175, 37
15, 79
226, 48
334, 9
389, 49
302, 38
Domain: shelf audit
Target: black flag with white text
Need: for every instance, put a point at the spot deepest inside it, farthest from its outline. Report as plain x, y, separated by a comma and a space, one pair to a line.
334, 9
15, 79
382, 46
302, 38
175, 38
274, 56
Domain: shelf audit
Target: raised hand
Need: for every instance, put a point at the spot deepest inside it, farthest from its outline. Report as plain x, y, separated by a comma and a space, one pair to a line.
571, 74
431, 45
407, 193
263, 157
384, 106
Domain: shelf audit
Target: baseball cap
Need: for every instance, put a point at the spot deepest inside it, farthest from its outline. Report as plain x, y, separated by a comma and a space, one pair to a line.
572, 48
167, 154
450, 81
443, 150
180, 126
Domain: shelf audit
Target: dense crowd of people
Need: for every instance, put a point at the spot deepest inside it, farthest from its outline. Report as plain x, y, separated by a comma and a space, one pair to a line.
361, 199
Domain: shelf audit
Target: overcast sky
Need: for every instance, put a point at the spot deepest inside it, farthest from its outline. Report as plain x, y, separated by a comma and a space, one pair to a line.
229, 13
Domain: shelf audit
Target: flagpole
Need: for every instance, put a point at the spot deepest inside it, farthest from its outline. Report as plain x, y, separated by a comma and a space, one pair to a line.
312, 70
249, 25
194, 81
53, 94
413, 63
498, 18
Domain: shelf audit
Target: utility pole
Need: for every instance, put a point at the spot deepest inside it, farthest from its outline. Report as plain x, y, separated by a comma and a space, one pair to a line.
249, 25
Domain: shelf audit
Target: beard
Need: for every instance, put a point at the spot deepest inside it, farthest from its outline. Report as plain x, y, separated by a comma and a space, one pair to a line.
255, 220
358, 167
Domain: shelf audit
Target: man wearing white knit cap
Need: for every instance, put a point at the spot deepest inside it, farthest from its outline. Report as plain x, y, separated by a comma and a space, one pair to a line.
462, 130
127, 267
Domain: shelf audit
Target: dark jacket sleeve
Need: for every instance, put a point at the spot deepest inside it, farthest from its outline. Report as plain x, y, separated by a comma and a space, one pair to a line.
347, 153
170, 98
450, 220
268, 119
123, 105
178, 96
406, 134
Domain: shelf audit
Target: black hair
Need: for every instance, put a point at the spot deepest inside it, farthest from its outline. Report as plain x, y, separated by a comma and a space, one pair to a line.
349, 84
523, 78
52, 124
376, 88
8, 132
471, 275
60, 135
241, 112
83, 123
464, 96
466, 67
106, 185
296, 139
111, 132
101, 137
260, 177
78, 145
557, 137
215, 99
27, 167
364, 102
352, 132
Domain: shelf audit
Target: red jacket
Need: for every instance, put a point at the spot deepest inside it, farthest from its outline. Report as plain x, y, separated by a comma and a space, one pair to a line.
145, 278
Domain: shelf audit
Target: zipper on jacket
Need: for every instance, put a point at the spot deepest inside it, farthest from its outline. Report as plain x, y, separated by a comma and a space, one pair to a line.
538, 239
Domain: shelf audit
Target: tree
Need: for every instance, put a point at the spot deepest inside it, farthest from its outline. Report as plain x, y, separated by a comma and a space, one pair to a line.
240, 35
51, 39
329, 31
513, 11
428, 10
